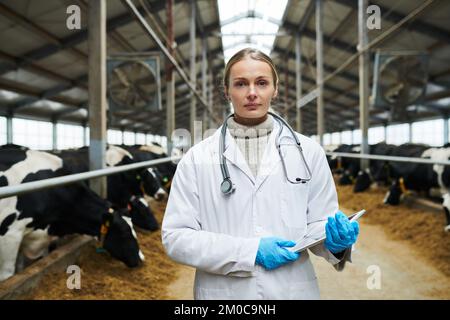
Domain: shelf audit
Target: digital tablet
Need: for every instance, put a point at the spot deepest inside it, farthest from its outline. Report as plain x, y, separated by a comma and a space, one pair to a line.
311, 241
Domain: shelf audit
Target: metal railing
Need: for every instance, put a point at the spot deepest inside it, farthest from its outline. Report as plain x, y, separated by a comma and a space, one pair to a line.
387, 158
68, 179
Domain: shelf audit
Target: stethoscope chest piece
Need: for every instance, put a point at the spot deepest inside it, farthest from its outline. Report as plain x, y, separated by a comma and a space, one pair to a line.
226, 186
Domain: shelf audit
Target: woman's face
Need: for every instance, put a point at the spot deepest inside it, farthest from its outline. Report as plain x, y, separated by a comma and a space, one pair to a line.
251, 88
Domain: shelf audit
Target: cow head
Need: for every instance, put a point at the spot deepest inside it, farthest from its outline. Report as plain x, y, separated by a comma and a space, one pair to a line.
446, 176
393, 195
86, 213
141, 214
120, 239
363, 181
345, 179
382, 172
152, 185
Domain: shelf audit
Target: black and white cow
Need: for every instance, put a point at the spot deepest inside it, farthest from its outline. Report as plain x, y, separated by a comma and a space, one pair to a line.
420, 177
348, 168
125, 188
378, 170
165, 171
29, 221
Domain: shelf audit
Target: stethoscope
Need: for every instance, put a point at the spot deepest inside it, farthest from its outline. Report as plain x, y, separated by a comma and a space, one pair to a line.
227, 186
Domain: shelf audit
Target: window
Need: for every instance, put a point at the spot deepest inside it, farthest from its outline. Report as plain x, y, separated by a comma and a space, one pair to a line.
326, 139
69, 136
164, 143
257, 26
150, 138
88, 132
376, 135
398, 134
3, 130
357, 136
346, 137
430, 132
114, 137
336, 138
33, 134
140, 138
128, 138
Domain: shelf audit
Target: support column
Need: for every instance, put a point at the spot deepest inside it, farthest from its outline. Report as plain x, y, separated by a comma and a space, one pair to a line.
445, 119
410, 137
170, 82
298, 82
364, 63
193, 115
286, 90
211, 95
319, 79
84, 134
205, 125
54, 135
97, 91
9, 128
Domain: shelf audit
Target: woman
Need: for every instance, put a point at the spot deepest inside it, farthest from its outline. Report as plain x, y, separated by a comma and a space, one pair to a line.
238, 237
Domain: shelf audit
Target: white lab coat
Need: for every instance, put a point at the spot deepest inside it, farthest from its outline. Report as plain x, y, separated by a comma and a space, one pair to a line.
219, 234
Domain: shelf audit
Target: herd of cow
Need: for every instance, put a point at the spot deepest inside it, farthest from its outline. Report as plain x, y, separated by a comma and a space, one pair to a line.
29, 223
400, 176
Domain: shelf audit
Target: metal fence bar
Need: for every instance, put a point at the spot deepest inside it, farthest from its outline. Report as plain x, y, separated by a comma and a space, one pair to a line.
387, 158
59, 181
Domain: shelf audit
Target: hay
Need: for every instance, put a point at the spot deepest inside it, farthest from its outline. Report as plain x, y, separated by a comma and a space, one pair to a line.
102, 277
423, 230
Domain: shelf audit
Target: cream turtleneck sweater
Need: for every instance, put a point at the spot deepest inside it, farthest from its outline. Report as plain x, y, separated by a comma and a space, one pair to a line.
251, 140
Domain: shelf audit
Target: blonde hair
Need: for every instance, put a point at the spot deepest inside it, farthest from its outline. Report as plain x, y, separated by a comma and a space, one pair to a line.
255, 54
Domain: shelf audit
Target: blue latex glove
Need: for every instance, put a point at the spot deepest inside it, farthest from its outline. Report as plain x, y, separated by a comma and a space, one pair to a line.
341, 233
272, 254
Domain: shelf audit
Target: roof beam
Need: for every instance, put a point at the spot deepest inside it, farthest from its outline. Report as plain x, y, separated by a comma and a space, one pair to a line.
327, 40
41, 71
344, 74
249, 14
79, 82
24, 89
31, 26
50, 93
417, 25
328, 87
75, 39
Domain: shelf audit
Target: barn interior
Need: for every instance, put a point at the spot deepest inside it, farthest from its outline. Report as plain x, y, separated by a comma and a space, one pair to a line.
93, 73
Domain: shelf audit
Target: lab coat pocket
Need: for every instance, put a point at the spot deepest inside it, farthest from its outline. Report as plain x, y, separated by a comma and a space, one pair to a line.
294, 203
304, 290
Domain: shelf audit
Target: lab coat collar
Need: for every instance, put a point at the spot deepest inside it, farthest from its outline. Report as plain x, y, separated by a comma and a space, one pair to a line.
234, 155
271, 158
269, 162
